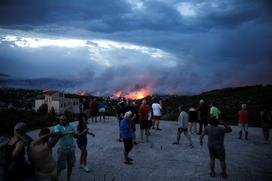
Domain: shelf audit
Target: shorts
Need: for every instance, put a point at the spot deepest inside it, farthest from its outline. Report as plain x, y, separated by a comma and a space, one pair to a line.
182, 130
82, 142
128, 144
66, 155
243, 126
102, 109
157, 118
218, 153
144, 124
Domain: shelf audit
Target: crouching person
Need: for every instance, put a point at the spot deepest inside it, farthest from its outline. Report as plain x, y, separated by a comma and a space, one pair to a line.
40, 154
216, 144
127, 135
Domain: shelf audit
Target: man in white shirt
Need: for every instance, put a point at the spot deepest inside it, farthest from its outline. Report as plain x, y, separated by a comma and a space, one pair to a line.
183, 126
156, 108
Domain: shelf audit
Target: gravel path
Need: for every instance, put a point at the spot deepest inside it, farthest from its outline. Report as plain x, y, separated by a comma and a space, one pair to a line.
160, 160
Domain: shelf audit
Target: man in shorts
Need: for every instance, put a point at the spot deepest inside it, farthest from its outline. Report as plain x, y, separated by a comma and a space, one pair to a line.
243, 121
94, 110
156, 107
143, 114
40, 154
216, 144
183, 126
66, 150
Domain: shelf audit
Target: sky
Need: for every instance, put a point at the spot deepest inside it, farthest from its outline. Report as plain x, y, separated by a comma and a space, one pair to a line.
165, 46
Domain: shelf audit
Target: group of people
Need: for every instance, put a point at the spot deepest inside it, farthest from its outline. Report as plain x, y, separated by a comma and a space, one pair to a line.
39, 151
40, 162
128, 116
95, 109
207, 116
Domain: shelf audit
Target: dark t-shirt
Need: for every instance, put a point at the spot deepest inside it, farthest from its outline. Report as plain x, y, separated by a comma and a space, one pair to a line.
216, 136
81, 128
120, 112
203, 111
134, 112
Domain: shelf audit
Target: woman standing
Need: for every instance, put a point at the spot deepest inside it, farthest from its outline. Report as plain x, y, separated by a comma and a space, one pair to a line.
82, 131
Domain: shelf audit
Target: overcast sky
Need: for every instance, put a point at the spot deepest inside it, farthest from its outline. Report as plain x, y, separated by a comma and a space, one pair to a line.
167, 46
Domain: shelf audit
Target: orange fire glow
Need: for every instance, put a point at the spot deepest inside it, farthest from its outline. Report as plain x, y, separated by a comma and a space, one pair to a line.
136, 95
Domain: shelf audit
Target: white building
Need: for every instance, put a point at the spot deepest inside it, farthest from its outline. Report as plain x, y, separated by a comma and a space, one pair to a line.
58, 102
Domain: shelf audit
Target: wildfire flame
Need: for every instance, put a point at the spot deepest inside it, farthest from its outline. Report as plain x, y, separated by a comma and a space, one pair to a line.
136, 95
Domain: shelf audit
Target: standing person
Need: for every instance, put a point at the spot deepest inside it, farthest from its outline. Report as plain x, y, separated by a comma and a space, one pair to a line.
135, 118
94, 110
149, 121
216, 144
66, 150
127, 136
143, 114
214, 111
192, 118
15, 165
156, 108
120, 111
266, 118
102, 110
243, 121
82, 131
203, 115
183, 126
40, 154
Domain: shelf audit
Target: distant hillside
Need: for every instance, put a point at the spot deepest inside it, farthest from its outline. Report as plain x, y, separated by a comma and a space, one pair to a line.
3, 75
229, 101
41, 83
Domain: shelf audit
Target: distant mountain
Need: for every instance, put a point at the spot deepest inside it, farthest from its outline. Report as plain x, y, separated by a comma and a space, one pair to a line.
3, 75
41, 83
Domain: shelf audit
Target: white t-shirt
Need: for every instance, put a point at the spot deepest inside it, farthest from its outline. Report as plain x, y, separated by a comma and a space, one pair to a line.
183, 119
156, 107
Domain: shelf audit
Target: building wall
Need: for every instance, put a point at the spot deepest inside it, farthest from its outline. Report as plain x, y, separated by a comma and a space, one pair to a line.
60, 104
38, 103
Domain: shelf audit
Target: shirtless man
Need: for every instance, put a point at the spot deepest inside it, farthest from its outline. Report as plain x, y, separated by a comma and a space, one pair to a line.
40, 154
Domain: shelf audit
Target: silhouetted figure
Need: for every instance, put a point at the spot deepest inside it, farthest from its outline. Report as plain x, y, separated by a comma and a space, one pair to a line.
127, 136
216, 144
66, 150
143, 114
102, 110
243, 121
203, 115
82, 141
15, 165
266, 118
40, 154
120, 112
183, 120
214, 111
192, 118
156, 107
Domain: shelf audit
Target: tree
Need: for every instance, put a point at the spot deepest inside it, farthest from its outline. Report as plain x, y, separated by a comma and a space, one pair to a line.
43, 109
52, 111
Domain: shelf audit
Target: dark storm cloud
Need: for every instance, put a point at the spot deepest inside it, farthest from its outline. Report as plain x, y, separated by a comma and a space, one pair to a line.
215, 43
